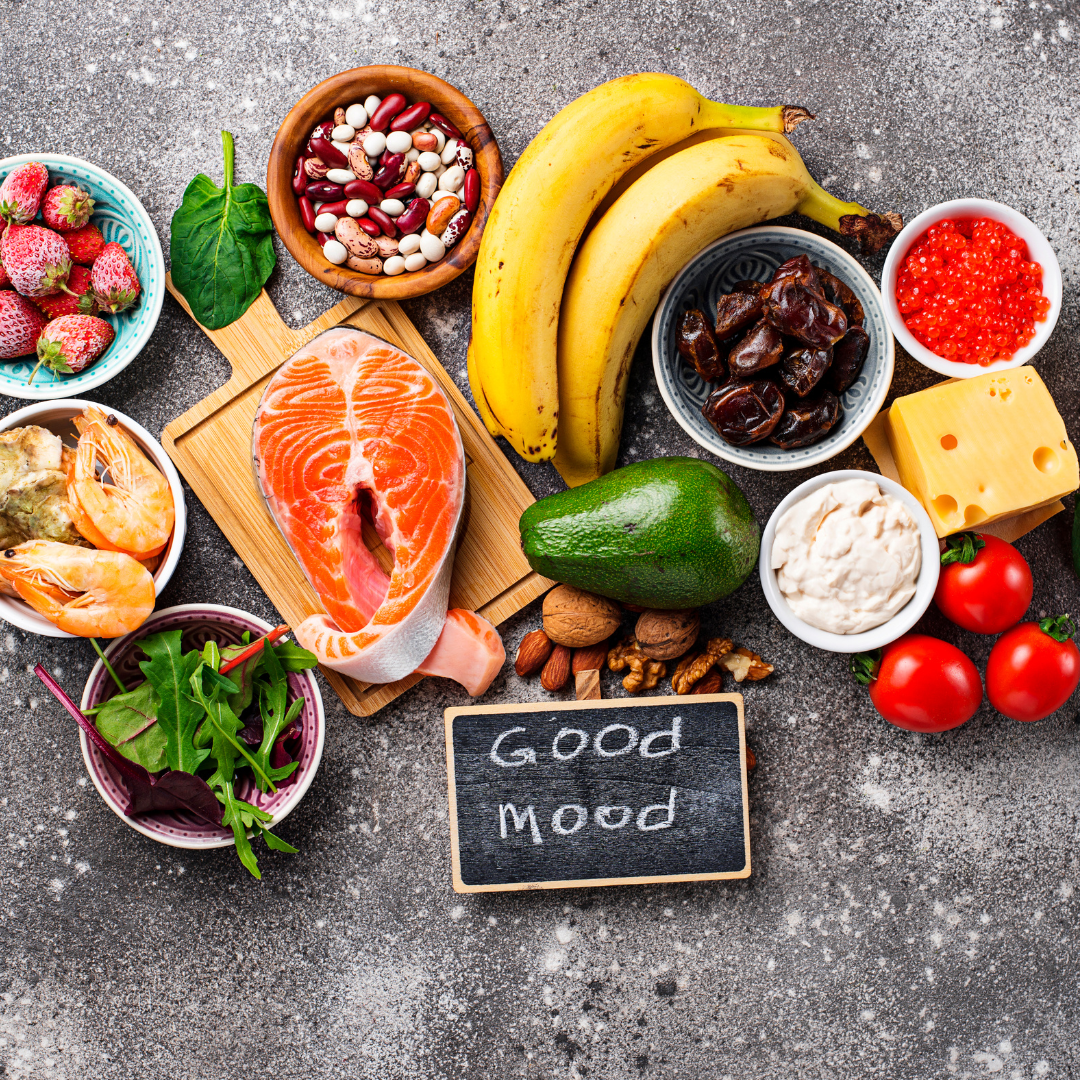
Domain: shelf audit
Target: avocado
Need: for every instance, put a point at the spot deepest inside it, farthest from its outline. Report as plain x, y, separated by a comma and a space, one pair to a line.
672, 533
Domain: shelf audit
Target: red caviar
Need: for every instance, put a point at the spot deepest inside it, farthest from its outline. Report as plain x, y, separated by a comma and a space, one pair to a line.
968, 291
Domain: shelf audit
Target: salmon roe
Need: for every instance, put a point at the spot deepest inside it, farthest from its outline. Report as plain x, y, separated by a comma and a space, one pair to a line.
968, 291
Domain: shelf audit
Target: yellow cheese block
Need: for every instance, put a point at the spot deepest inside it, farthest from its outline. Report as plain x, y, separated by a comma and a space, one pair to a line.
976, 450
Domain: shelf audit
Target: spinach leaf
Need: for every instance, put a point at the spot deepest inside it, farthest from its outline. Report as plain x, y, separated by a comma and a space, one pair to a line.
128, 721
291, 657
221, 246
169, 670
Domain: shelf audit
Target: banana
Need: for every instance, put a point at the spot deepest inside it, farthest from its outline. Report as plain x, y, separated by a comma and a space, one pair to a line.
672, 210
535, 226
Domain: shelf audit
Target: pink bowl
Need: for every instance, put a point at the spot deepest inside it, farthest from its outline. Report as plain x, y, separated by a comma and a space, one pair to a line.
200, 623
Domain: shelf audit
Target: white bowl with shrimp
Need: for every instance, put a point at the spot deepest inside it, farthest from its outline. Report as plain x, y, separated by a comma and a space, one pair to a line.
57, 417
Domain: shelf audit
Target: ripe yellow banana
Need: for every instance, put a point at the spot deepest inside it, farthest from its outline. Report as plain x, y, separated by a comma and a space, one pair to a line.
672, 210
535, 225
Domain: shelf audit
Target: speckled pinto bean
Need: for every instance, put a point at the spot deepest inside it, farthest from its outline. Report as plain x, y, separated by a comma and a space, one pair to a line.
410, 117
456, 229
388, 108
355, 239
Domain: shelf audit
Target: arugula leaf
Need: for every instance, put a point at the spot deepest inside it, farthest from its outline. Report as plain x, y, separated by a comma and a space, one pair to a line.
169, 670
221, 246
291, 657
129, 722
276, 715
243, 675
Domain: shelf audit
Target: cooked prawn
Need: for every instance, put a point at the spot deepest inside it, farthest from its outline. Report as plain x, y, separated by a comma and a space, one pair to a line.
85, 592
133, 512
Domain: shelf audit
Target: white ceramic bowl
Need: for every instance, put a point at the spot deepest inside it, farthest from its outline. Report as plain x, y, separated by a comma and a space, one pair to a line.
755, 253
1038, 248
57, 416
200, 623
123, 219
903, 620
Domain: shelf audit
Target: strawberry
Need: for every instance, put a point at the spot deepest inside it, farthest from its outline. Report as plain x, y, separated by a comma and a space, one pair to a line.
72, 343
116, 285
4, 279
78, 300
37, 260
66, 207
21, 192
85, 244
20, 325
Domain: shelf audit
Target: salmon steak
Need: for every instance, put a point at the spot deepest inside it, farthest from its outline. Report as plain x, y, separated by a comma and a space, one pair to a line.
352, 428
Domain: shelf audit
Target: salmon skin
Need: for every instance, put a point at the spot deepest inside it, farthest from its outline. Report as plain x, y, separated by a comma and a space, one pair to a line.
351, 427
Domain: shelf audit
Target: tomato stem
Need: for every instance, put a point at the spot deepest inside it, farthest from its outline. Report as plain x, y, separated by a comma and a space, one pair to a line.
962, 548
1059, 627
864, 666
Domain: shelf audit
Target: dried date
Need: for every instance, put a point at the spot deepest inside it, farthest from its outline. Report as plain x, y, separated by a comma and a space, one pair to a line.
761, 348
799, 312
801, 270
746, 412
838, 293
849, 355
806, 422
738, 309
803, 369
698, 347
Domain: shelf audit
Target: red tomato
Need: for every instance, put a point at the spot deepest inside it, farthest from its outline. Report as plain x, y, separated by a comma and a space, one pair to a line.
1033, 669
924, 684
990, 592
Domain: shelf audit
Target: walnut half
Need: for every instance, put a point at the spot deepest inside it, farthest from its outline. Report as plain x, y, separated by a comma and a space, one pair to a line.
644, 673
744, 664
697, 665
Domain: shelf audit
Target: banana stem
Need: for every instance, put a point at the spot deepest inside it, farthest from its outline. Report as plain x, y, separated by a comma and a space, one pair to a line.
873, 231
781, 118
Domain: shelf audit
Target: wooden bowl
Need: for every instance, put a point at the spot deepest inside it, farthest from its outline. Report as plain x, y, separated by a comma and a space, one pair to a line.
318, 105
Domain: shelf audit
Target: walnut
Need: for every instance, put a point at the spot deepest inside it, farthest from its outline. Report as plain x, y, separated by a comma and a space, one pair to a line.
644, 674
577, 618
744, 664
665, 635
696, 666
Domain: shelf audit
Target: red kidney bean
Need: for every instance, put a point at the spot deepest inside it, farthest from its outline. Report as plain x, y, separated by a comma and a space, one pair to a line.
299, 180
391, 105
364, 189
329, 154
369, 226
400, 191
322, 237
321, 132
324, 191
335, 208
307, 213
470, 191
415, 215
412, 117
383, 220
444, 126
390, 173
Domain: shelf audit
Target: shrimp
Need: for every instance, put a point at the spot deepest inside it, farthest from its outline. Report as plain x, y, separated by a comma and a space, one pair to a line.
82, 591
134, 511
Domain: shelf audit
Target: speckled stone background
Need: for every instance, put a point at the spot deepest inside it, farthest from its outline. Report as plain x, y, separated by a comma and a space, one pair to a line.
912, 912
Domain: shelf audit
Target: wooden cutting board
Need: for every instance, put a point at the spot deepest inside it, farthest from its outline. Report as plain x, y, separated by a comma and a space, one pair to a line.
211, 446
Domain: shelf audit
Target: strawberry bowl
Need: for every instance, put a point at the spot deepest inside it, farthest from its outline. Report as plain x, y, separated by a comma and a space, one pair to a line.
122, 219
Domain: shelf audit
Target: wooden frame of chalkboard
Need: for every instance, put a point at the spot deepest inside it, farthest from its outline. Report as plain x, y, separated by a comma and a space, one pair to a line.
673, 763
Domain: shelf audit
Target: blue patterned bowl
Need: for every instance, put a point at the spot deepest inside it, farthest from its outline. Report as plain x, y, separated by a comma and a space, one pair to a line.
754, 254
121, 218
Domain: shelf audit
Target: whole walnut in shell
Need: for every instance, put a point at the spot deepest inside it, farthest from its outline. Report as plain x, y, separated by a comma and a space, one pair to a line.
576, 618
666, 635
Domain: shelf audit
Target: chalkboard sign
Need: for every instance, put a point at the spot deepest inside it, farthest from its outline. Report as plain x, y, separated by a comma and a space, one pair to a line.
580, 793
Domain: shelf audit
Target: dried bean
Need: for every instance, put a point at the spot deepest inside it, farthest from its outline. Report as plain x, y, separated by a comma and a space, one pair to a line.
389, 107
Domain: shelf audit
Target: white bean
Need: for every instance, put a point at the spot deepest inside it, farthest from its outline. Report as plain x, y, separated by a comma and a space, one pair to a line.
326, 222
394, 266
340, 176
426, 184
335, 250
440, 139
398, 142
452, 179
356, 115
448, 151
429, 161
343, 133
432, 247
356, 208
393, 207
442, 193
415, 261
374, 144
409, 245
412, 155
371, 103
344, 147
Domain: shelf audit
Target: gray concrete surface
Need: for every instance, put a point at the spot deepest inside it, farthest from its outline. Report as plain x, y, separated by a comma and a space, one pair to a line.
913, 911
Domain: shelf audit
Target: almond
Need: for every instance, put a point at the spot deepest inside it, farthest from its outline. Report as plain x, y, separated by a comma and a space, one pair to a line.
532, 654
577, 618
556, 671
590, 658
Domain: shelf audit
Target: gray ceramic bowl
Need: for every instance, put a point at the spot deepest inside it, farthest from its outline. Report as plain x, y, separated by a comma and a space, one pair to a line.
755, 254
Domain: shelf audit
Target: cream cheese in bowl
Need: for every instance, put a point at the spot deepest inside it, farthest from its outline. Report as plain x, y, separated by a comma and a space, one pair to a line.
847, 556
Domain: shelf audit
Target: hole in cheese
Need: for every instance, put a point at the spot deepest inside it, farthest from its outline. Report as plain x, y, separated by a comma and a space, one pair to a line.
973, 514
1046, 460
945, 506
948, 442
1063, 444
